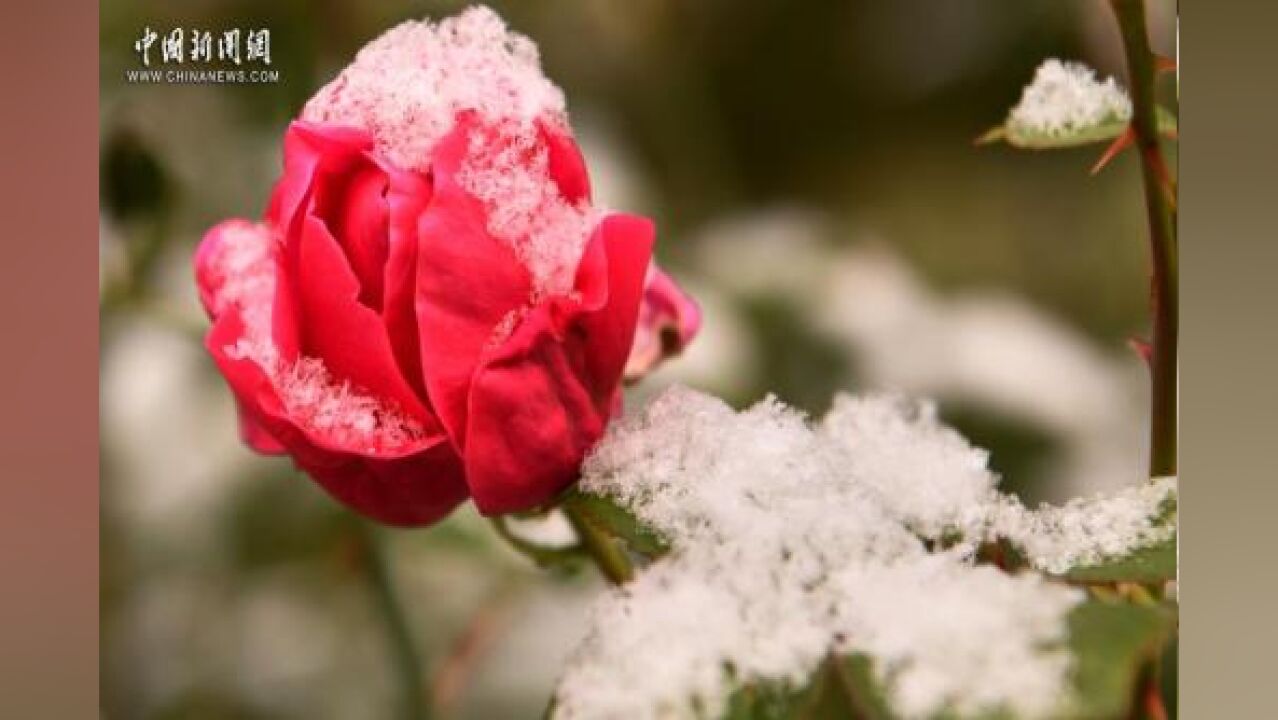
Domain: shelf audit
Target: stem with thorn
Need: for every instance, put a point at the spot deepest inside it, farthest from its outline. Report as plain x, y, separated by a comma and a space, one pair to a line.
1162, 232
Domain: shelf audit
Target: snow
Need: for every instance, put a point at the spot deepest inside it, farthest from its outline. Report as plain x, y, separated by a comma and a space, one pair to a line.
1086, 531
408, 87
1066, 97
242, 267
508, 169
855, 534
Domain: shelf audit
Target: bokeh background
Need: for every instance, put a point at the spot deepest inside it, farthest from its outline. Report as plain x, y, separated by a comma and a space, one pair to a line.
811, 171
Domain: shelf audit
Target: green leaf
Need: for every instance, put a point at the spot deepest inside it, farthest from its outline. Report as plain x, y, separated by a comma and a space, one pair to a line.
1165, 121
1151, 564
854, 682
619, 522
764, 701
1027, 139
841, 688
1110, 642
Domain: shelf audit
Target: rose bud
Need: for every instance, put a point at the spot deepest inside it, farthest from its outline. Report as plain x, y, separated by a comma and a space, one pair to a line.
432, 308
668, 320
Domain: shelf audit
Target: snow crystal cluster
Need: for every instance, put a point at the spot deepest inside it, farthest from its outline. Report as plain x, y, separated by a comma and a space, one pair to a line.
243, 269
407, 89
1066, 97
1086, 531
508, 169
793, 540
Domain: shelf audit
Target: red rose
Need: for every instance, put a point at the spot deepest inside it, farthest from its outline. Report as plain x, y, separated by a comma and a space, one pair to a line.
432, 309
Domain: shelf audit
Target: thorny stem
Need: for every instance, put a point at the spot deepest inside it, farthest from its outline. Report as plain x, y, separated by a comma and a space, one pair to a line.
376, 570
601, 547
1162, 231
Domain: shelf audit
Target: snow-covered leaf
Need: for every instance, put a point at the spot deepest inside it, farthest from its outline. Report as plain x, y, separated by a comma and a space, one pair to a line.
1066, 105
1110, 642
1155, 563
842, 688
1028, 138
794, 538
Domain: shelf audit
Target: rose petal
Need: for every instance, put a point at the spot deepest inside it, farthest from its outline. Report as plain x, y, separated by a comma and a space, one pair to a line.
407, 195
531, 419
345, 334
308, 149
413, 491
254, 433
541, 399
624, 242
308, 146
467, 283
209, 276
353, 205
415, 485
566, 165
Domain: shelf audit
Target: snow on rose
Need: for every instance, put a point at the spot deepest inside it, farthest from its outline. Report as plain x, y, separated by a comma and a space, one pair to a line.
432, 308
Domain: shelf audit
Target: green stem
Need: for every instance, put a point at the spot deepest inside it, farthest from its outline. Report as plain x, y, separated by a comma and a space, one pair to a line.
1162, 232
601, 546
404, 656
543, 555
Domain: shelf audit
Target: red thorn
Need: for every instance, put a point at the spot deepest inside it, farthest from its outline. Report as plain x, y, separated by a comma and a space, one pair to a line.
1142, 348
1164, 64
1121, 143
1154, 708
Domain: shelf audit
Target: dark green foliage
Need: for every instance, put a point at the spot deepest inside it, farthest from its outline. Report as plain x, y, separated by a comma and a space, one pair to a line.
134, 183
1111, 643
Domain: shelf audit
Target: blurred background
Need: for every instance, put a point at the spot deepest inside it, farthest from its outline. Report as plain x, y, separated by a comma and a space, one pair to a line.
811, 172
